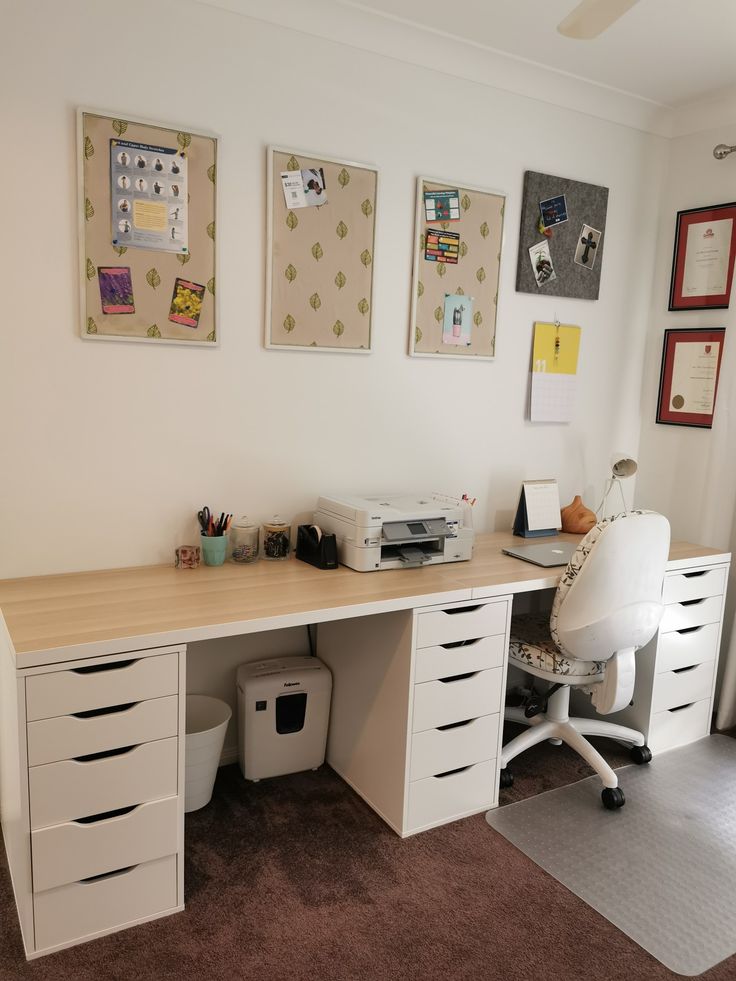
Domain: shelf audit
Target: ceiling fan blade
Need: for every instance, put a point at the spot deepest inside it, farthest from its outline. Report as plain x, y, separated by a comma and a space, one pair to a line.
591, 17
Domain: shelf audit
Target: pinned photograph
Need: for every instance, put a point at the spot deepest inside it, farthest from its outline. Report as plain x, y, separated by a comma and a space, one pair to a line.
186, 303
304, 188
587, 246
541, 260
458, 320
116, 289
553, 211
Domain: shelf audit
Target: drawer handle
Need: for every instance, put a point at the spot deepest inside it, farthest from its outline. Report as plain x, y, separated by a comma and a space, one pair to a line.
458, 677
105, 754
463, 609
694, 575
107, 875
681, 707
689, 630
449, 773
95, 668
461, 643
454, 725
108, 710
690, 667
105, 815
695, 602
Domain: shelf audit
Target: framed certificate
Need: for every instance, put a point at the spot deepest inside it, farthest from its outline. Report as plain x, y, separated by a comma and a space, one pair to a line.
688, 384
702, 265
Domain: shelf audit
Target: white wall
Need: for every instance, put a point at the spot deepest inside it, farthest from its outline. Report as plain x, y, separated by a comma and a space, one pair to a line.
690, 474
109, 449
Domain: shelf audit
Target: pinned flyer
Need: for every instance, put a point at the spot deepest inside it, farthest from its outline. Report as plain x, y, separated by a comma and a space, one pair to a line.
442, 246
442, 205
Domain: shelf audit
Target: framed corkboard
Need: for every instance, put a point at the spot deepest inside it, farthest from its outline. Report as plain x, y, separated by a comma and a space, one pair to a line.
147, 225
457, 262
319, 256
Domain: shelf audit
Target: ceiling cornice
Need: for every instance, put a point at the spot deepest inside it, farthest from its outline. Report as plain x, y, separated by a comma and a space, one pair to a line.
391, 37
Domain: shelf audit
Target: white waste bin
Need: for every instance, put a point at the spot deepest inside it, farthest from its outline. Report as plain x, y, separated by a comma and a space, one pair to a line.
206, 724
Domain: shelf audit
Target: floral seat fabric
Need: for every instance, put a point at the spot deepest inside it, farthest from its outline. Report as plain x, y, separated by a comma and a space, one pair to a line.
531, 646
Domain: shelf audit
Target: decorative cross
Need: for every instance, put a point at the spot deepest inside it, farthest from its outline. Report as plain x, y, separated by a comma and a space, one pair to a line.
589, 244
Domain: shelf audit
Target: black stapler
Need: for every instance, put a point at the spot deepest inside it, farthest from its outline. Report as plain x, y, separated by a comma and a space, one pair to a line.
316, 548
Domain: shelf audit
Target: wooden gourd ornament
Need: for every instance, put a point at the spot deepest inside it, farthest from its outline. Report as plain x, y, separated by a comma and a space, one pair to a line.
576, 518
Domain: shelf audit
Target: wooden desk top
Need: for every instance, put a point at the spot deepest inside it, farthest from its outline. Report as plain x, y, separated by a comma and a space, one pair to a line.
76, 615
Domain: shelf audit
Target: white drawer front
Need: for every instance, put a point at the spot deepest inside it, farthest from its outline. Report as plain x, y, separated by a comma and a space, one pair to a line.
81, 689
71, 789
679, 726
472, 655
438, 703
69, 852
438, 750
691, 614
681, 650
81, 909
65, 738
679, 586
673, 688
437, 799
462, 623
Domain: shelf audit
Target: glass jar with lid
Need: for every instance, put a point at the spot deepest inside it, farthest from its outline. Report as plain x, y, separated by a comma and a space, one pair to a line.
243, 540
276, 538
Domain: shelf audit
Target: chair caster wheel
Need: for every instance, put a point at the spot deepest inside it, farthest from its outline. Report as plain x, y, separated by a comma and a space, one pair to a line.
613, 798
640, 754
507, 778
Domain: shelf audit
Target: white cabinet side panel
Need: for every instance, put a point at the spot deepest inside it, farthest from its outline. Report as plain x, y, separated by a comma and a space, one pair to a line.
370, 660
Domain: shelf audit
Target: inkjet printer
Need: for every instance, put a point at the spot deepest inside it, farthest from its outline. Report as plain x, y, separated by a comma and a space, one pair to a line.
396, 531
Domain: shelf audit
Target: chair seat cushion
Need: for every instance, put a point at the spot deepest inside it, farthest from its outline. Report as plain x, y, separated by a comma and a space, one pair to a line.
531, 645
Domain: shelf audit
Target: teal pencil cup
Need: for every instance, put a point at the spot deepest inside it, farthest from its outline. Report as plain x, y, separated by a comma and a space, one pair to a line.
213, 549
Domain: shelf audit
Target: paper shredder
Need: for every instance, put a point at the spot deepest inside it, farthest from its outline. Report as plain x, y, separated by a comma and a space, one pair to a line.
283, 713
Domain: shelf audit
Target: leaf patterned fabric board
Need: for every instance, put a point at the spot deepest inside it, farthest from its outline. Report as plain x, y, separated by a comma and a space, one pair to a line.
476, 273
322, 258
153, 273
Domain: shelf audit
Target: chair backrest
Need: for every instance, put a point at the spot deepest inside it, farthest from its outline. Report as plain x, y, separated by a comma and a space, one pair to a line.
610, 596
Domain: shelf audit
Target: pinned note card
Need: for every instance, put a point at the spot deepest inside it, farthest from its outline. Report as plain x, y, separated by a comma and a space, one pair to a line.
538, 512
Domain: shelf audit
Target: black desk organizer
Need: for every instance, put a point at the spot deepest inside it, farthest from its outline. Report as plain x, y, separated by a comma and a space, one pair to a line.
320, 552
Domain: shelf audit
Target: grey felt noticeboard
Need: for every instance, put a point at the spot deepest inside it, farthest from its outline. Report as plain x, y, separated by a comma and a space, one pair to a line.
586, 205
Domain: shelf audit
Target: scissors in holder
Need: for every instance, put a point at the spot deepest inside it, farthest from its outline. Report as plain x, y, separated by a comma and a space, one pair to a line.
205, 519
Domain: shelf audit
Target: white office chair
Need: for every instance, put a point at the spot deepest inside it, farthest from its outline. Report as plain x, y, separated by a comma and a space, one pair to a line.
608, 604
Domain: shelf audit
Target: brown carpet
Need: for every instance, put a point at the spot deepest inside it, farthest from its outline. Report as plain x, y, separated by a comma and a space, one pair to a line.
296, 878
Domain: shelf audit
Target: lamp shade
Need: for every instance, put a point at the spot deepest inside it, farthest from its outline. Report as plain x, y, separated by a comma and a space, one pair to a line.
623, 466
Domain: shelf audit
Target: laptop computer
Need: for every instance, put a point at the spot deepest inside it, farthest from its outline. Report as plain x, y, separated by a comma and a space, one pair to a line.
546, 554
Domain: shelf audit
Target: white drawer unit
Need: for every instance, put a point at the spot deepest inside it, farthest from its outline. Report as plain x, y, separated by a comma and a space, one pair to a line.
679, 586
73, 789
69, 736
460, 657
100, 904
674, 688
99, 685
102, 744
691, 613
99, 844
683, 648
460, 623
457, 794
439, 750
448, 700
415, 724
676, 671
680, 725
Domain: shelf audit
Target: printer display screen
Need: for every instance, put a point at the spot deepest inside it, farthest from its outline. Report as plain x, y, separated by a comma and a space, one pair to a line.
417, 527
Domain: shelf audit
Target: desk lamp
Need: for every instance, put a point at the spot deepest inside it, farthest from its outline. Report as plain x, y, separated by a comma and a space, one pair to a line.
622, 466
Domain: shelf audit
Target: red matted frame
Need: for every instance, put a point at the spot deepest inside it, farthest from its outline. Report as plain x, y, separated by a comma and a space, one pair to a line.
668, 413
687, 220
